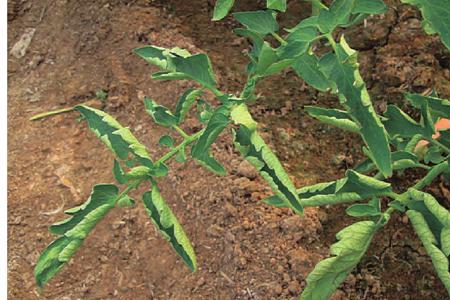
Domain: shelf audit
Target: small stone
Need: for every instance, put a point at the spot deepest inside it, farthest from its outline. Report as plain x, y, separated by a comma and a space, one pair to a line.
247, 170
294, 287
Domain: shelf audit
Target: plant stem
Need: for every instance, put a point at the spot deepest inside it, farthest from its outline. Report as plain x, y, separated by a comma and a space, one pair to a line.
331, 41
188, 140
440, 145
279, 38
51, 113
435, 171
133, 185
180, 131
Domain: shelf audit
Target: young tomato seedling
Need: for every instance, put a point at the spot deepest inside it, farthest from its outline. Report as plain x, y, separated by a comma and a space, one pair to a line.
394, 141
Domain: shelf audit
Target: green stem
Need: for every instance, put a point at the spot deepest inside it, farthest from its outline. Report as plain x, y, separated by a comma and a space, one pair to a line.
440, 145
187, 141
331, 41
180, 131
51, 113
434, 172
279, 38
133, 185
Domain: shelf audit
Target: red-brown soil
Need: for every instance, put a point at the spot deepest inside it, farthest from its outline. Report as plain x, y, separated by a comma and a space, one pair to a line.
245, 249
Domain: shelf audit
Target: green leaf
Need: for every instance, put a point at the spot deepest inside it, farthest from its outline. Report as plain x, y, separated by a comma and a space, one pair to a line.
342, 69
221, 9
266, 58
197, 67
435, 155
177, 64
363, 210
167, 223
166, 140
400, 160
261, 21
277, 4
353, 187
305, 23
201, 149
253, 148
298, 42
181, 155
159, 113
335, 117
439, 107
185, 103
435, 17
369, 7
337, 14
437, 255
74, 230
275, 201
119, 174
331, 272
153, 55
399, 124
119, 139
306, 66
126, 201
139, 172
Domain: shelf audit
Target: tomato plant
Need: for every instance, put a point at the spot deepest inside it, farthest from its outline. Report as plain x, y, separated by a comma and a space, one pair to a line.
393, 141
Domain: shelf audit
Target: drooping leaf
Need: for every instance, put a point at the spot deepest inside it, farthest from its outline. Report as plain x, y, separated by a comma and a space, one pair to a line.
342, 69
371, 209
159, 113
74, 230
201, 149
221, 9
431, 244
261, 21
277, 4
335, 117
328, 274
185, 103
255, 150
435, 17
307, 67
167, 223
119, 139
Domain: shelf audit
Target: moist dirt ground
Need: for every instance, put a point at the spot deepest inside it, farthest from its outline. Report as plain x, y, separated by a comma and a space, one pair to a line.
245, 249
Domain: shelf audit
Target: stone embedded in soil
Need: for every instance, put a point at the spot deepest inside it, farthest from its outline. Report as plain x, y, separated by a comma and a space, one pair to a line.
247, 170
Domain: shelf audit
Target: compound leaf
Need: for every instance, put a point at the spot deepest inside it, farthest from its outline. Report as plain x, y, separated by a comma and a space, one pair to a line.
342, 69
167, 223
261, 21
119, 139
328, 274
221, 9
74, 230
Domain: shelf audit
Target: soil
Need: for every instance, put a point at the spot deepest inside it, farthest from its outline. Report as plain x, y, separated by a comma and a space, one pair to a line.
245, 249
